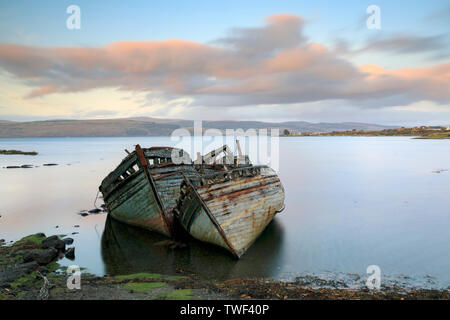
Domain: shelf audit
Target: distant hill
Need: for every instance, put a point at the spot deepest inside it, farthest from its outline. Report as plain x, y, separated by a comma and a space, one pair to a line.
143, 126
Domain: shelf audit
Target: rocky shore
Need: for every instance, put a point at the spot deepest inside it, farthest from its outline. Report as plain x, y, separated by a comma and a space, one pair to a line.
29, 270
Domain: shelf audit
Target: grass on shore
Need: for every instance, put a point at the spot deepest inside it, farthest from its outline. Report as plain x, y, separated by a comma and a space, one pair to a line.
138, 276
401, 132
438, 135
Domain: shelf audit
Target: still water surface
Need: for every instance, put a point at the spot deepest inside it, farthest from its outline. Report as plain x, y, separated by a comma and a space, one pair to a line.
350, 202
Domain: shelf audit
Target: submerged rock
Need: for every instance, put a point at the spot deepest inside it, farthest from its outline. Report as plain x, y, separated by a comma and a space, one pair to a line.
70, 254
95, 210
439, 170
68, 240
83, 213
50, 164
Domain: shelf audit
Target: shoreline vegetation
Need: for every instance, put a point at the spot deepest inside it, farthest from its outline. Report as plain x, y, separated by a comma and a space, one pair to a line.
417, 132
25, 263
27, 153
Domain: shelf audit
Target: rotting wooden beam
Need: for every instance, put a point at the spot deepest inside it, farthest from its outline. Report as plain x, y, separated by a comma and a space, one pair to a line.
144, 163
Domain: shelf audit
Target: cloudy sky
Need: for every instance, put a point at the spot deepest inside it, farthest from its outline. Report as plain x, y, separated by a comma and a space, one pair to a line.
240, 60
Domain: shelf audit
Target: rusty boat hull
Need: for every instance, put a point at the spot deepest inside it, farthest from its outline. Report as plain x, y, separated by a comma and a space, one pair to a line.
230, 209
143, 190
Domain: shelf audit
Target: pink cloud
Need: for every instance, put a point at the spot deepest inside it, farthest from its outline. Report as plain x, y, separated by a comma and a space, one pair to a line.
271, 64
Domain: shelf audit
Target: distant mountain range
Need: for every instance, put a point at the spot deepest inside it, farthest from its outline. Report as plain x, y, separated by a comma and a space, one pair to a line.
143, 126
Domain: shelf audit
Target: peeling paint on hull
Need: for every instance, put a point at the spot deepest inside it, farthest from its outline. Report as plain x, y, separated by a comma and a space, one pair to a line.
227, 204
143, 189
136, 205
230, 209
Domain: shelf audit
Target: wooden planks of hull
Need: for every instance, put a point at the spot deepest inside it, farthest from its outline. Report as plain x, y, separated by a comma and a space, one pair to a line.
135, 204
228, 205
143, 189
234, 210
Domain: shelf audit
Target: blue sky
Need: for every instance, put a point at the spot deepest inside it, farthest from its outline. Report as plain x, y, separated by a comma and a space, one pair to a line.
43, 22
338, 26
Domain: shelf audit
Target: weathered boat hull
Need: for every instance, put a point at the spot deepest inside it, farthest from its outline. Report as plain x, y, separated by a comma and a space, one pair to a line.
230, 209
136, 204
143, 194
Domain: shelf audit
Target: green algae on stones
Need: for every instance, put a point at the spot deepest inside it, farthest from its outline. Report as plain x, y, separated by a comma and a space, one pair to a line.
26, 280
34, 238
3, 296
180, 294
143, 287
138, 276
53, 266
176, 278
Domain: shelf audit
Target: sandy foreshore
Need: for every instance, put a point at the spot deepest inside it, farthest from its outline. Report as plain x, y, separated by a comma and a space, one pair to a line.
22, 278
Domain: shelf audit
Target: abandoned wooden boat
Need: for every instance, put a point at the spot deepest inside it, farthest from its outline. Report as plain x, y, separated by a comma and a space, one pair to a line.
143, 190
230, 208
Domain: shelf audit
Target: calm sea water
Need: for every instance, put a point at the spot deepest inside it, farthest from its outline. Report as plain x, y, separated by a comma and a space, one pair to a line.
351, 202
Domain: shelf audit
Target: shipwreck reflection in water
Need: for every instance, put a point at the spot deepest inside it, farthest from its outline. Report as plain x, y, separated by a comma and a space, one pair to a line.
127, 249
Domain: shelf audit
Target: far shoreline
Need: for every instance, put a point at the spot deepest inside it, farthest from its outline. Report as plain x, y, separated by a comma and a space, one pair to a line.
415, 133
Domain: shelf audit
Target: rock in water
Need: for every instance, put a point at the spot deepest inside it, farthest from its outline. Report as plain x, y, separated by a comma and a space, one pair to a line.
68, 240
54, 242
95, 211
41, 256
70, 253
